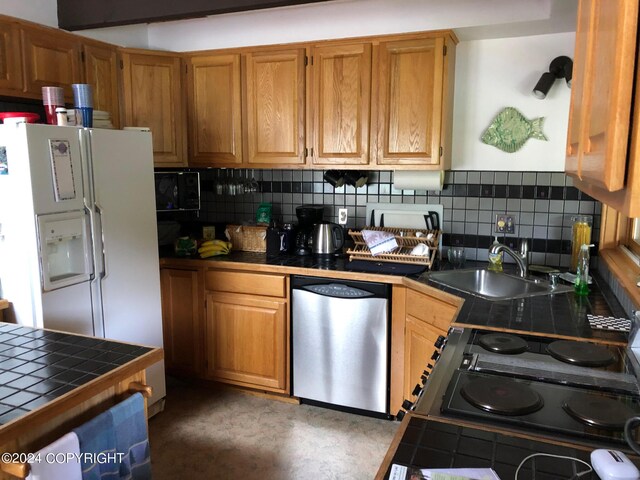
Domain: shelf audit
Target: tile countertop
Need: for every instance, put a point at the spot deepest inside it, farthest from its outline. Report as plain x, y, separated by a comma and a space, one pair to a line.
560, 315
38, 367
434, 443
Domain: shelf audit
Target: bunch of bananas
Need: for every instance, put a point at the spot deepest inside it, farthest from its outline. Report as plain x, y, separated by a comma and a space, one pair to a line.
211, 248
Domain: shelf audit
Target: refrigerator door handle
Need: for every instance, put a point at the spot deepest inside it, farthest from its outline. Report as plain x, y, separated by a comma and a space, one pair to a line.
100, 213
89, 215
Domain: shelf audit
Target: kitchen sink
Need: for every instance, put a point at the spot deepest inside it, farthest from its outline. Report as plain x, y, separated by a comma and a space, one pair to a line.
494, 285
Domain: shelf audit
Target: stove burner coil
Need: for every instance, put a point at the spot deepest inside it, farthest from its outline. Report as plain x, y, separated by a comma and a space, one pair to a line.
599, 412
503, 343
502, 396
581, 353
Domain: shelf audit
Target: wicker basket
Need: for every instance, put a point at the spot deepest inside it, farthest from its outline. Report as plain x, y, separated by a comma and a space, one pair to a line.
247, 238
406, 239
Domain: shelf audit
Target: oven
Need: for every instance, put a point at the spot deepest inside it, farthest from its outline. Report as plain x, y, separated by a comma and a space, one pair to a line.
578, 392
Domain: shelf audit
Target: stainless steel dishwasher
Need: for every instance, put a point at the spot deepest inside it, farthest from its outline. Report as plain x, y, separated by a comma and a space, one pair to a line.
340, 333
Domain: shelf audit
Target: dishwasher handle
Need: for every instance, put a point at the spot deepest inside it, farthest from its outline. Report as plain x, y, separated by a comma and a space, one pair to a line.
337, 290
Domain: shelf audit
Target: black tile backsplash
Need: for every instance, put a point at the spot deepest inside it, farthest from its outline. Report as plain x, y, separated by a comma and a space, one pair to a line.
542, 203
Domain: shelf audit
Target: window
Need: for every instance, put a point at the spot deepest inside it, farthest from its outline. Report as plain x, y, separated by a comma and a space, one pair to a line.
632, 238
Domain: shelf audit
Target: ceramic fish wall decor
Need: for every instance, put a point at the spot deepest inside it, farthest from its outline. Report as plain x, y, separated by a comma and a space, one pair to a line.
510, 130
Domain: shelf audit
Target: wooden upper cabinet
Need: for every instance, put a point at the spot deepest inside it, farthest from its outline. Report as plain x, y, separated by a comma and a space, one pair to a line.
101, 72
601, 93
153, 98
275, 106
410, 93
50, 58
215, 110
341, 104
10, 57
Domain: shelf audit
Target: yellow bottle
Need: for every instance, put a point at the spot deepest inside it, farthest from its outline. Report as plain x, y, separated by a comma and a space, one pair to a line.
580, 235
495, 259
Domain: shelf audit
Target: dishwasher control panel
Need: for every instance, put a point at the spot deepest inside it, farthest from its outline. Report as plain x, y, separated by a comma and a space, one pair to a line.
337, 290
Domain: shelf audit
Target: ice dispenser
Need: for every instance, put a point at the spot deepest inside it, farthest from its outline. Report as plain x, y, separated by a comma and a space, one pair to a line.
64, 249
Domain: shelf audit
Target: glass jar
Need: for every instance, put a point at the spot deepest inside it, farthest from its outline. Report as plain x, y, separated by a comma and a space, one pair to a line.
580, 235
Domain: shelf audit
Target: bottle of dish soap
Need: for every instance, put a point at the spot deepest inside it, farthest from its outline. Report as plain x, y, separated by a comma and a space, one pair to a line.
581, 285
495, 259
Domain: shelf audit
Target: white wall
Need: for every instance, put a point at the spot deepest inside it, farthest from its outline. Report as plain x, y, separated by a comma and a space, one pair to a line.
39, 11
493, 74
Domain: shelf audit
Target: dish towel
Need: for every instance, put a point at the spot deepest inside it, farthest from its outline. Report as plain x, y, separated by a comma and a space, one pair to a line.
48, 467
379, 241
132, 440
97, 436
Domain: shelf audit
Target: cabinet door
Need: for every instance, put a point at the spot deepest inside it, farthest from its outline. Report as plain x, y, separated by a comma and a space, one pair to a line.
101, 71
341, 104
214, 110
418, 348
275, 83
50, 59
10, 61
182, 310
153, 98
601, 92
246, 340
410, 86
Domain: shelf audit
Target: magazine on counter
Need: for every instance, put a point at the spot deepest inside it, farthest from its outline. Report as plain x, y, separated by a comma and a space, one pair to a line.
400, 472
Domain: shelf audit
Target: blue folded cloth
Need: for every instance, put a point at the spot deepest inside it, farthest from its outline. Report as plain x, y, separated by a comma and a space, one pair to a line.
120, 434
95, 437
132, 439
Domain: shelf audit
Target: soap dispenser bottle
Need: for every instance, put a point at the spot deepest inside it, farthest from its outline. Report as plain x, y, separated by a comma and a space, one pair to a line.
581, 285
495, 259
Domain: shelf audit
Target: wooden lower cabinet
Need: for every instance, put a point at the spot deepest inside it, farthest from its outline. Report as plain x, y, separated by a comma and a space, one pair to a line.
427, 317
419, 337
246, 340
182, 313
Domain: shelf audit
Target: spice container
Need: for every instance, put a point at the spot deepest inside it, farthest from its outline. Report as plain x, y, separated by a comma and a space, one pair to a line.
580, 235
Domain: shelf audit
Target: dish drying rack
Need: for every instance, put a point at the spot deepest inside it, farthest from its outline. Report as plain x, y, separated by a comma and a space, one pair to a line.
406, 239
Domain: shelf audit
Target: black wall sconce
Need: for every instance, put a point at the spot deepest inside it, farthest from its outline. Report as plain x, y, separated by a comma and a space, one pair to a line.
560, 67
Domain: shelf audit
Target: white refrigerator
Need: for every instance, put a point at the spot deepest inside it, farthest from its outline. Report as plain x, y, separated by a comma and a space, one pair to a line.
78, 241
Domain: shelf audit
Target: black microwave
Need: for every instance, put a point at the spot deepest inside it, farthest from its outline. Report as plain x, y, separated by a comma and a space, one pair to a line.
177, 191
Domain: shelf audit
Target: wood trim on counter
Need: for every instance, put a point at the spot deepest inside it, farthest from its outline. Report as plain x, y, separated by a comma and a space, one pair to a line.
396, 364
386, 461
625, 270
4, 303
603, 341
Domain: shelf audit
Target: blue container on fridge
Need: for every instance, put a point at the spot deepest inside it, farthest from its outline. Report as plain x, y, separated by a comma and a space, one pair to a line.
83, 100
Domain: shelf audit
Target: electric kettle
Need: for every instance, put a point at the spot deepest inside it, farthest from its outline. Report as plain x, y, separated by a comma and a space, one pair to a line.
327, 239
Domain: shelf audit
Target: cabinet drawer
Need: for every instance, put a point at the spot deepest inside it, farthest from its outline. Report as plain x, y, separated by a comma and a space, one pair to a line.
430, 310
245, 282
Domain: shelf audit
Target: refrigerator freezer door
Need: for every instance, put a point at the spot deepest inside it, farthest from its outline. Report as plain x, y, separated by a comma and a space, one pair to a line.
69, 309
56, 167
124, 196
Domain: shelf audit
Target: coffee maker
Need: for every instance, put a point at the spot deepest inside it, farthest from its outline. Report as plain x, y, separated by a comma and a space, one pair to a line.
308, 216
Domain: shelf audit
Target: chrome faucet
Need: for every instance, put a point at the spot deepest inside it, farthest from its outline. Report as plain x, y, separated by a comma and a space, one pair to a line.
521, 257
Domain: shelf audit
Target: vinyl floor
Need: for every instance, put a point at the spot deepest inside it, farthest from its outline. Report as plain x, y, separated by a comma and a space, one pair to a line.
207, 433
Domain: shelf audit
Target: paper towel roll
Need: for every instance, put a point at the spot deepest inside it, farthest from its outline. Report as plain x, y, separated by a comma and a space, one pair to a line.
418, 180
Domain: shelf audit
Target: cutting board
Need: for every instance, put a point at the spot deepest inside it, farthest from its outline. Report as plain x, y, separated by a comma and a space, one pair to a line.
399, 215
403, 215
